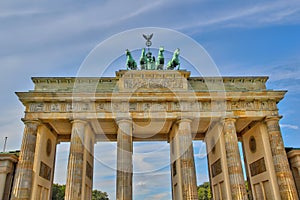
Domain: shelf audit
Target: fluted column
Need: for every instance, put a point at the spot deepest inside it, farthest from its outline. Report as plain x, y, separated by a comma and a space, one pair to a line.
187, 164
287, 188
234, 165
124, 160
75, 165
24, 175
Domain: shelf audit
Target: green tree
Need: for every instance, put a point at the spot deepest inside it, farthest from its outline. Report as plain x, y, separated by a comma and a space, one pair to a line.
58, 193
98, 195
204, 192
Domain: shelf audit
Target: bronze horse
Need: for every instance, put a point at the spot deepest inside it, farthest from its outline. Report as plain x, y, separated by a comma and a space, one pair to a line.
160, 59
130, 62
175, 60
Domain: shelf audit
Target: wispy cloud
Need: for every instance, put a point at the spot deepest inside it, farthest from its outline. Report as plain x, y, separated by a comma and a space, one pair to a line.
285, 72
246, 14
283, 75
289, 126
158, 196
149, 184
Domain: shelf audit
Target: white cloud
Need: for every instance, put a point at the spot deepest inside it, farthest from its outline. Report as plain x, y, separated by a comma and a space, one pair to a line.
141, 183
148, 184
289, 126
158, 196
150, 157
247, 14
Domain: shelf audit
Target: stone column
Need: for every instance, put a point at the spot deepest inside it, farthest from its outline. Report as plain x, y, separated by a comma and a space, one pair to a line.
3, 176
234, 165
24, 175
287, 188
187, 164
124, 160
75, 165
7, 168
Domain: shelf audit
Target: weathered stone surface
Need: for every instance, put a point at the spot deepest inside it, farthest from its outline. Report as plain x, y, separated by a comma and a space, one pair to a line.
7, 169
24, 175
287, 188
146, 105
124, 160
187, 160
75, 165
236, 178
149, 79
294, 160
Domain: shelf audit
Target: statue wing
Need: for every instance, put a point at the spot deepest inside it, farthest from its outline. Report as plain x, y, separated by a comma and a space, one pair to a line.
145, 36
150, 36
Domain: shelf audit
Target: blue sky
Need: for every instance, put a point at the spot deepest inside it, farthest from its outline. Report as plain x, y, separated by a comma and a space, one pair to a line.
52, 38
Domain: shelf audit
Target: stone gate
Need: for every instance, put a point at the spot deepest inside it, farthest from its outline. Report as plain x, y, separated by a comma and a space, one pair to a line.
155, 105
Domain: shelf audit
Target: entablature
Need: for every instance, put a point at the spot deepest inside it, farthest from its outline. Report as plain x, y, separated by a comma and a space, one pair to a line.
148, 80
109, 104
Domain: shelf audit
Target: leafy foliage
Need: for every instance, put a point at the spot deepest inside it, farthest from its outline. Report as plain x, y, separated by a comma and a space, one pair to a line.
204, 192
58, 193
98, 195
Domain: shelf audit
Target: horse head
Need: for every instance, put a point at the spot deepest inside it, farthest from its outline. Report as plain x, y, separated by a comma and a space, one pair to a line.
127, 52
161, 50
177, 52
143, 52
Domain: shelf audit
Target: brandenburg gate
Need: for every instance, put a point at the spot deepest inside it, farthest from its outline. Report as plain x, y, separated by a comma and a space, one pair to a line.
155, 104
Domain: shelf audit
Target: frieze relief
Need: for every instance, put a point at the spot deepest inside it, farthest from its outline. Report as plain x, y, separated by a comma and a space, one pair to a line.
175, 106
55, 107
218, 106
257, 167
193, 105
145, 80
45, 171
174, 83
133, 106
237, 105
36, 107
103, 107
151, 75
249, 105
205, 106
117, 107
70, 107
216, 168
202, 106
159, 107
252, 105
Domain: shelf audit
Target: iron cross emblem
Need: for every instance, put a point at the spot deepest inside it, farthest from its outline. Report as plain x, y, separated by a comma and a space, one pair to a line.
148, 38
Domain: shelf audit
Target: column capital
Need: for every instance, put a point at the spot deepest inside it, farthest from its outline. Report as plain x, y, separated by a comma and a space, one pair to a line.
272, 118
32, 121
83, 121
31, 125
229, 118
123, 120
184, 119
